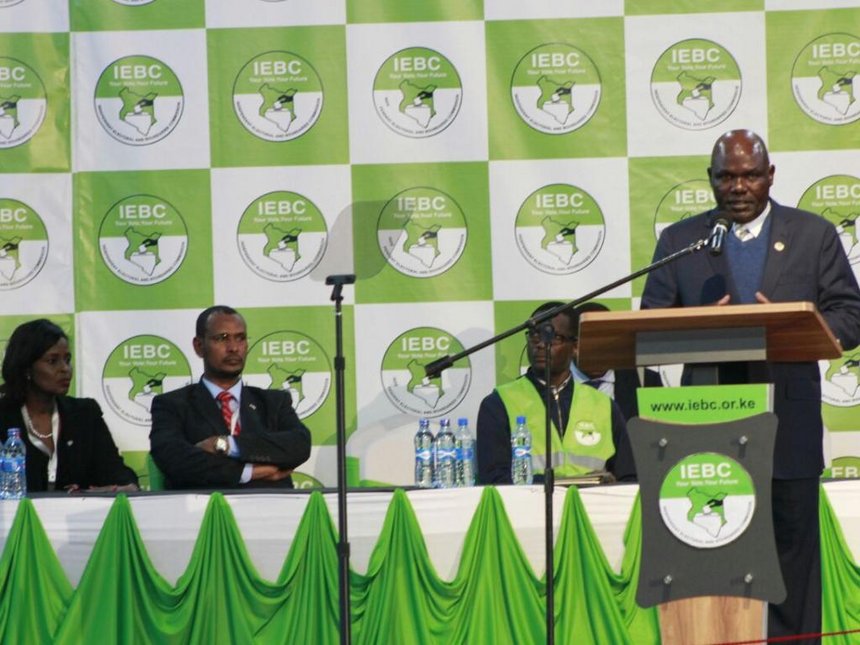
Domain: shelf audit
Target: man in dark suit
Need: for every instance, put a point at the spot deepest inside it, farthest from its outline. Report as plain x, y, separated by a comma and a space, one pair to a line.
219, 433
772, 254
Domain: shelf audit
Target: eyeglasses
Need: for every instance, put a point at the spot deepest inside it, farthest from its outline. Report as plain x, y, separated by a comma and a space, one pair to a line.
534, 336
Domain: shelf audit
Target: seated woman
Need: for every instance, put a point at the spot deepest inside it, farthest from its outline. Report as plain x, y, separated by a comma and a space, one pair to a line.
69, 447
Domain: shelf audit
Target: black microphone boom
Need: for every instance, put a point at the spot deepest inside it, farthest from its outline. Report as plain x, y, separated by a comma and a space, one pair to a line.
718, 235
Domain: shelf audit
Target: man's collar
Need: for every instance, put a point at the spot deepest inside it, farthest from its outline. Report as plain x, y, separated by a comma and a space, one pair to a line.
215, 390
753, 227
581, 377
554, 388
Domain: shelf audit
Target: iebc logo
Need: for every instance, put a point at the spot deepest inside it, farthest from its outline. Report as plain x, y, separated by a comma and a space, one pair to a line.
282, 236
422, 232
23, 244
293, 362
405, 382
696, 84
23, 102
417, 92
556, 88
559, 229
824, 79
143, 239
278, 96
137, 370
138, 100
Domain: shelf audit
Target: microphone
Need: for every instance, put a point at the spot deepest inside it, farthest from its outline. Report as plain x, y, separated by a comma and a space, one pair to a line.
718, 235
338, 281
344, 278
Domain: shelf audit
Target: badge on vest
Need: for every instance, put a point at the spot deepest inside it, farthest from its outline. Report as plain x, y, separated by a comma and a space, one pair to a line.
586, 433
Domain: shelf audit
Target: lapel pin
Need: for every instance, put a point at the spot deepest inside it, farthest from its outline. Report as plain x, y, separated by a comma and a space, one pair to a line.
70, 442
252, 406
779, 246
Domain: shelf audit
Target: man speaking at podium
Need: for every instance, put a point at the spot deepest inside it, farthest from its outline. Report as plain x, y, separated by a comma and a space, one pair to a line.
770, 253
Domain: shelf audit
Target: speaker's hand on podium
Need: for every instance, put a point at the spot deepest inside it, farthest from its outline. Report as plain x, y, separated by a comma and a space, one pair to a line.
761, 298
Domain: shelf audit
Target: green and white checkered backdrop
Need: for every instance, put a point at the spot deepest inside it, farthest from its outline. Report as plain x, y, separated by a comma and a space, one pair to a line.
467, 159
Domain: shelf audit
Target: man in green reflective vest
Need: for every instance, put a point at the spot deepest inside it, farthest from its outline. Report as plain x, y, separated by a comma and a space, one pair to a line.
589, 433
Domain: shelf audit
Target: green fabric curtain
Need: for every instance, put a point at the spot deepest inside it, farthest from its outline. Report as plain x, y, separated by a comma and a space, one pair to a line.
495, 598
34, 590
840, 580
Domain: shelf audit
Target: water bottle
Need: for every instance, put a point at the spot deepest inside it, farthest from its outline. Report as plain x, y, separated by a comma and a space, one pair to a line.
13, 484
521, 454
464, 447
424, 455
446, 456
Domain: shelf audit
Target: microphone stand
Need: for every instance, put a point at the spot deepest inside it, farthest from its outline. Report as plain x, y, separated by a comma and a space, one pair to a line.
547, 333
343, 542
441, 364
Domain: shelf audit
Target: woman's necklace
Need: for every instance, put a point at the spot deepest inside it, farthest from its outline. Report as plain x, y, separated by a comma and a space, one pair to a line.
32, 429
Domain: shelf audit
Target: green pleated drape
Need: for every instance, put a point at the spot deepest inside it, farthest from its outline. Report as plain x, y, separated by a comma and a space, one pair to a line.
34, 589
840, 581
594, 604
495, 596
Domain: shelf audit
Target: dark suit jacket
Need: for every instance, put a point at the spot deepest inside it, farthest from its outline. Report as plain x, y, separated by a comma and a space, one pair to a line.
271, 433
805, 262
86, 453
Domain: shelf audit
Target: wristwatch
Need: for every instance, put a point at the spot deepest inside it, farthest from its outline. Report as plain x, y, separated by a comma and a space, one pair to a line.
222, 446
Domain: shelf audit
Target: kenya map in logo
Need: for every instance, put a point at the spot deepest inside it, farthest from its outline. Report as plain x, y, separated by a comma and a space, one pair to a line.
23, 103
696, 84
823, 79
405, 382
138, 100
707, 500
282, 236
291, 361
137, 370
837, 199
23, 244
422, 232
143, 239
417, 92
278, 96
841, 384
560, 229
682, 201
556, 88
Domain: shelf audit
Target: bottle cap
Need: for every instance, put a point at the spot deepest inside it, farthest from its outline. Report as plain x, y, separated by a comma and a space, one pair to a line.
521, 420
445, 423
462, 421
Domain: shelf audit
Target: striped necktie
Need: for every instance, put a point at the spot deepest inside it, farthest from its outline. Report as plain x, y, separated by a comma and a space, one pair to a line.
225, 398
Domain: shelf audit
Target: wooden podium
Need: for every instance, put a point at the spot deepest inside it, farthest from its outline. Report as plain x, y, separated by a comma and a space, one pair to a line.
786, 332
701, 338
